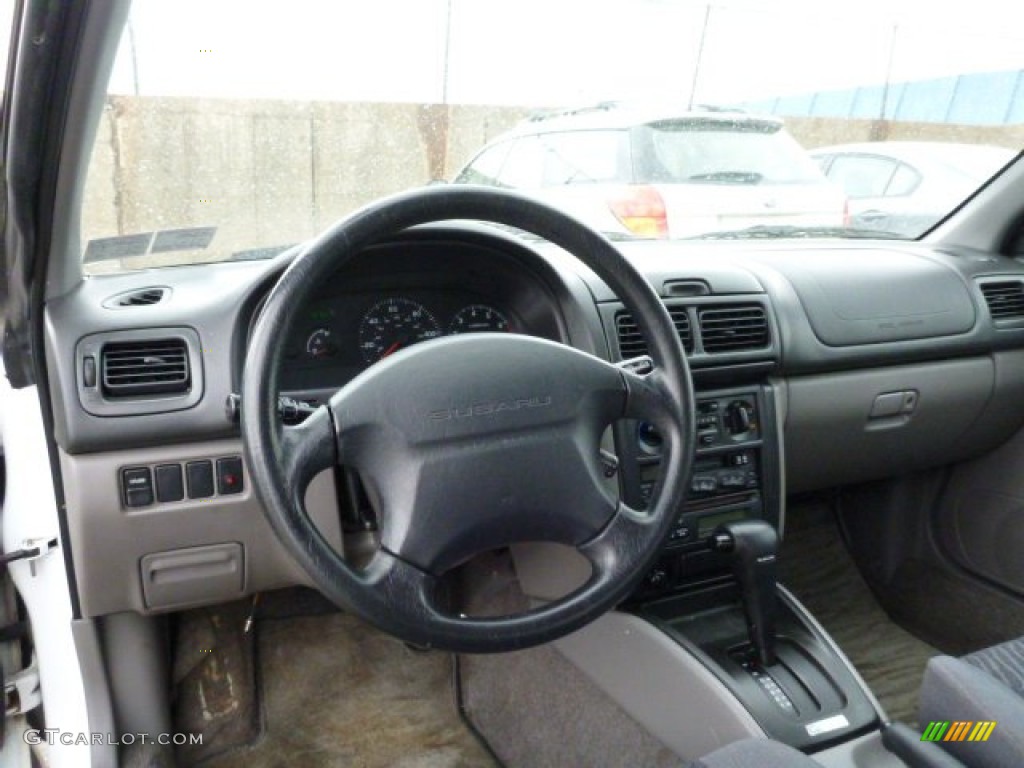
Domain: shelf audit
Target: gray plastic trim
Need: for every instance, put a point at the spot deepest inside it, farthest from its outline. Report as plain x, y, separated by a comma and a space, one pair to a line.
831, 439
109, 541
984, 220
863, 752
183, 577
97, 692
137, 672
660, 684
808, 618
780, 398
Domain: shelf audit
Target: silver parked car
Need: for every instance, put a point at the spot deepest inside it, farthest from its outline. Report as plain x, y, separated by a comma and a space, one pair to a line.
657, 173
906, 187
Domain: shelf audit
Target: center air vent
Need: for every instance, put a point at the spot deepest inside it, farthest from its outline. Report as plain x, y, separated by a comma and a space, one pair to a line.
631, 342
1004, 299
733, 329
140, 368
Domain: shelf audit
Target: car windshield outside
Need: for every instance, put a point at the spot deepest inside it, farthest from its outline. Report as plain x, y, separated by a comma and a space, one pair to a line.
235, 131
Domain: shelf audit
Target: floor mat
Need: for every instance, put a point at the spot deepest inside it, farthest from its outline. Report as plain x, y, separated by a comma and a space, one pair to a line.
816, 567
337, 692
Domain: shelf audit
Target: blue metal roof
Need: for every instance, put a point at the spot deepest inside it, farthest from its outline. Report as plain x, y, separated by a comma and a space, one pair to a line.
984, 98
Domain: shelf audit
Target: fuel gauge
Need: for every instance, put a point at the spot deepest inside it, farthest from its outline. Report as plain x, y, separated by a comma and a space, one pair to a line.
477, 318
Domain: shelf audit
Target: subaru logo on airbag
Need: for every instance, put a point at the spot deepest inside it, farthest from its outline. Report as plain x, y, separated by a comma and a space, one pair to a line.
487, 409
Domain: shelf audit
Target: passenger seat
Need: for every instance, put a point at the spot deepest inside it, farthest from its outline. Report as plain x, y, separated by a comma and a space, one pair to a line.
986, 686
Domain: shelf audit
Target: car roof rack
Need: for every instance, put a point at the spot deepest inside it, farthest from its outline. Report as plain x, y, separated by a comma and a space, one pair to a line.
541, 115
549, 114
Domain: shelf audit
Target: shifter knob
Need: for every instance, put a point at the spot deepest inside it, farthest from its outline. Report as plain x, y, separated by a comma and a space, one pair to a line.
753, 545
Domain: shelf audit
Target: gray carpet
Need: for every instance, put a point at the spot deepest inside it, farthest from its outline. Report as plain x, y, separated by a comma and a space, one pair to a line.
337, 692
816, 567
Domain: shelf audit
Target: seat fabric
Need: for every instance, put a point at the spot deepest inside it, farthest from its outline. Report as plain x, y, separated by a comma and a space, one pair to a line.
984, 686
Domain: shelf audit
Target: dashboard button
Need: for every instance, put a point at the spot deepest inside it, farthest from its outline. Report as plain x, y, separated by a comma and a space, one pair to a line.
703, 484
229, 475
200, 479
169, 484
732, 479
137, 484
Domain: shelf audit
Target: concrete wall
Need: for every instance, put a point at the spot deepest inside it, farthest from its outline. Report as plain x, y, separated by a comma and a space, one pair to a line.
820, 131
269, 173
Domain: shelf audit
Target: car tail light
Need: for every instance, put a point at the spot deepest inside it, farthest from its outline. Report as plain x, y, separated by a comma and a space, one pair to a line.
846, 213
641, 210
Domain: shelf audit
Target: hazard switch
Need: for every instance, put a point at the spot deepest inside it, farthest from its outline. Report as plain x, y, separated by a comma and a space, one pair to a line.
229, 475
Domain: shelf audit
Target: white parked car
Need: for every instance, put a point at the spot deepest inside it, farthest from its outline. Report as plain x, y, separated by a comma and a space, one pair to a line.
905, 187
658, 173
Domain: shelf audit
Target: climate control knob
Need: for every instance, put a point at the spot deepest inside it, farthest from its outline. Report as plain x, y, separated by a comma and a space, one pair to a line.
739, 417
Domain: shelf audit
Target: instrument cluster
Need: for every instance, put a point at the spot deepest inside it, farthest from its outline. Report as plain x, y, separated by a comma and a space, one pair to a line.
337, 337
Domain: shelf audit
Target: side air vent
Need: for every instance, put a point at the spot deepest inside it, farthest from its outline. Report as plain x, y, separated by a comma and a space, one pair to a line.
631, 342
132, 369
141, 298
733, 329
1004, 299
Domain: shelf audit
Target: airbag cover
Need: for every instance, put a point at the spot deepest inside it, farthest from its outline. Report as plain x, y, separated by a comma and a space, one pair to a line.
880, 296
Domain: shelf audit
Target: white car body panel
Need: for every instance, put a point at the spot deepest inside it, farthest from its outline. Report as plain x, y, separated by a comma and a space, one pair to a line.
30, 512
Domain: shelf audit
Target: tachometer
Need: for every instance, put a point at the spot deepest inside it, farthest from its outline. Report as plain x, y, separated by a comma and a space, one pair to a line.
477, 318
393, 324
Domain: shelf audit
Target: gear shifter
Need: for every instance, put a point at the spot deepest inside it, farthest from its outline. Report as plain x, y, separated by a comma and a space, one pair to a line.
753, 544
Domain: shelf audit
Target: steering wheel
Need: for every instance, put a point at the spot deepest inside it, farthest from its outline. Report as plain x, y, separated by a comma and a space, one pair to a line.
471, 443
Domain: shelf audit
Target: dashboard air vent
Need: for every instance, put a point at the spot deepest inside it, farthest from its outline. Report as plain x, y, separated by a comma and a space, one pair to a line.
140, 368
141, 298
1004, 299
733, 329
631, 342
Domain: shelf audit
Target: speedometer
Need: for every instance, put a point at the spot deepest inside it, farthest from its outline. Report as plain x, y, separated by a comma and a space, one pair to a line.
393, 324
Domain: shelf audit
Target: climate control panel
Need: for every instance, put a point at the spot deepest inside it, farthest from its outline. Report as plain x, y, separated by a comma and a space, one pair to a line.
736, 476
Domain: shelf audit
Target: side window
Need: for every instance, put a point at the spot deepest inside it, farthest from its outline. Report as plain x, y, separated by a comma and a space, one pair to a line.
903, 182
486, 168
524, 167
862, 175
579, 157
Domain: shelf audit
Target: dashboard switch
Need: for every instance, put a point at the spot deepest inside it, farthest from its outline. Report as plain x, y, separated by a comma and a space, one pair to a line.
89, 371
169, 483
137, 485
200, 479
229, 476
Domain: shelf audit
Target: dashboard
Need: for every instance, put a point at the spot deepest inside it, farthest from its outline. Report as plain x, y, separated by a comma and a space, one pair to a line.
816, 363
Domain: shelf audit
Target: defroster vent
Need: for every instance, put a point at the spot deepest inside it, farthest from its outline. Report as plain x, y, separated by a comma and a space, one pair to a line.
631, 342
1005, 299
132, 369
733, 329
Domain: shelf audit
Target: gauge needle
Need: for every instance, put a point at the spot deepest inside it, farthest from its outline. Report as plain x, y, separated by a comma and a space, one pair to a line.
393, 348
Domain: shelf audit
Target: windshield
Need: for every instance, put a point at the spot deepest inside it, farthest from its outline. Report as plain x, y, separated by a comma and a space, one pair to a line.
236, 130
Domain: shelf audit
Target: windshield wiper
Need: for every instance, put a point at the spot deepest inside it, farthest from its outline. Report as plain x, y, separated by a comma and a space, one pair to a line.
772, 232
729, 177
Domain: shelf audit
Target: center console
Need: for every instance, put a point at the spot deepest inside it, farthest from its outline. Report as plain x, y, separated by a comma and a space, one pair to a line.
713, 590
